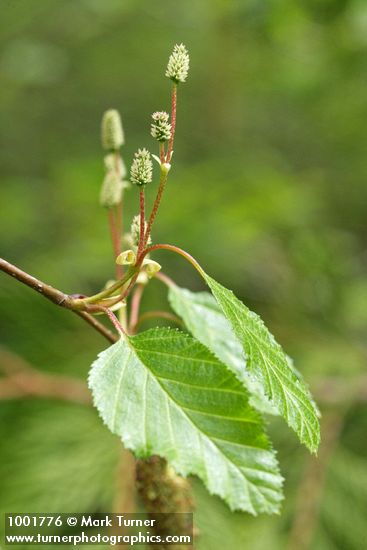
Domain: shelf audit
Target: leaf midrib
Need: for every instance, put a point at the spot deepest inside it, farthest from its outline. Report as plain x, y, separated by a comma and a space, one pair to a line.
202, 433
272, 365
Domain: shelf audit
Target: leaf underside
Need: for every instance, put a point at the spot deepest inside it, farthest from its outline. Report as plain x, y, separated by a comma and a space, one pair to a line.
268, 364
205, 320
164, 393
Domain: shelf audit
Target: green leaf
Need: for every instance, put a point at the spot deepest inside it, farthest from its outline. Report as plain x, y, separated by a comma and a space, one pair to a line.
268, 363
164, 393
206, 322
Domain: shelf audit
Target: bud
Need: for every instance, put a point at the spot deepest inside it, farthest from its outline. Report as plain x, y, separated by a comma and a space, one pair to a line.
165, 167
178, 64
141, 171
142, 278
161, 128
151, 267
112, 132
128, 257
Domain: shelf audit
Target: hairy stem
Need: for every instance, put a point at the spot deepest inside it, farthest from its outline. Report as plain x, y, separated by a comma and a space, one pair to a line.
142, 221
162, 185
173, 122
162, 154
164, 174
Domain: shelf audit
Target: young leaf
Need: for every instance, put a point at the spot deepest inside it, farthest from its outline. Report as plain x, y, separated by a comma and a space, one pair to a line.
268, 363
164, 393
206, 322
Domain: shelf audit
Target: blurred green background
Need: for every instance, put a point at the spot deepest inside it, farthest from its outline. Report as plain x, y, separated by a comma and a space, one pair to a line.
268, 191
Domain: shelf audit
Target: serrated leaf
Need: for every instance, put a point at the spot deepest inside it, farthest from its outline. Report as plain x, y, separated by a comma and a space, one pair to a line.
207, 323
164, 393
268, 363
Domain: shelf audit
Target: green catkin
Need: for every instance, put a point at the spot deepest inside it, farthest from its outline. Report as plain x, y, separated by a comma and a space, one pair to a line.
178, 64
141, 171
112, 133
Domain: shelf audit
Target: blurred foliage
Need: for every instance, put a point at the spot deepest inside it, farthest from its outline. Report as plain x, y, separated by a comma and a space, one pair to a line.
268, 191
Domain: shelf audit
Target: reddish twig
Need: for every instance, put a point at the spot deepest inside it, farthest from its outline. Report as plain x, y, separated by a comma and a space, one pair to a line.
116, 323
162, 154
142, 221
162, 185
164, 174
173, 123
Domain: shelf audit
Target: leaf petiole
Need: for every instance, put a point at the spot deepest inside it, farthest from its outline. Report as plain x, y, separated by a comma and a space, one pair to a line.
177, 250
